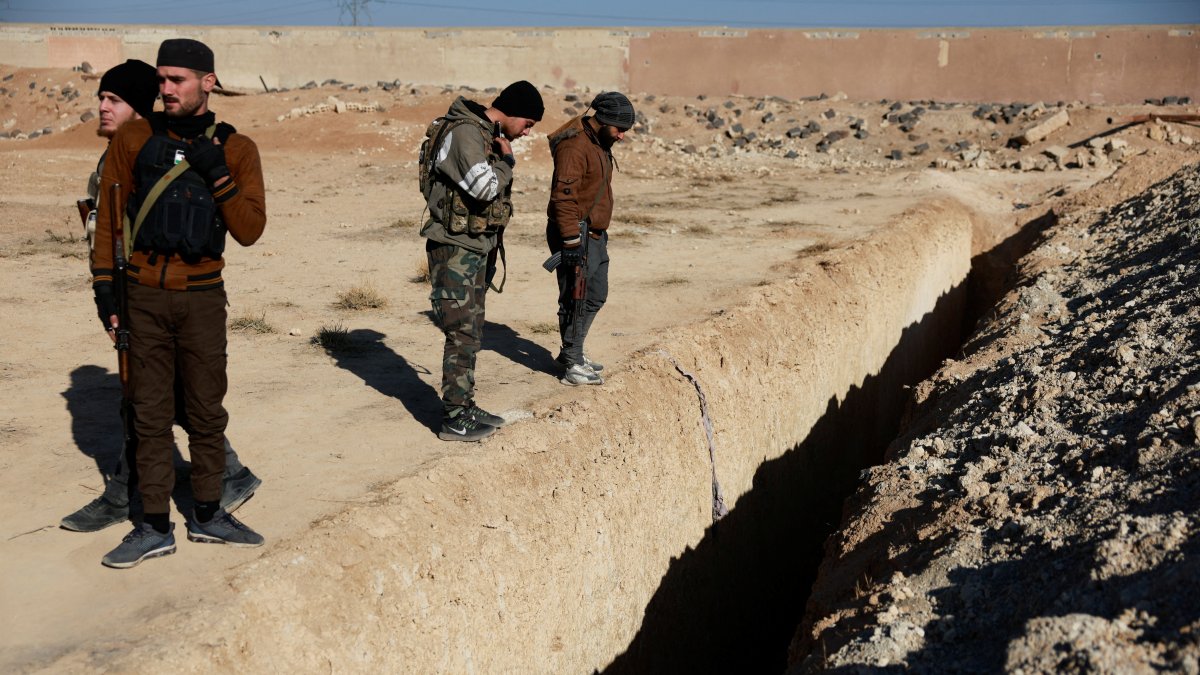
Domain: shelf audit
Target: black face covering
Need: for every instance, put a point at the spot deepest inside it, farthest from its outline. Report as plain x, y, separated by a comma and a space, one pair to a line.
191, 127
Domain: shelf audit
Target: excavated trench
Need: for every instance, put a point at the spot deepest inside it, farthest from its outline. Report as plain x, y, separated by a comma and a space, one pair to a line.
732, 603
545, 553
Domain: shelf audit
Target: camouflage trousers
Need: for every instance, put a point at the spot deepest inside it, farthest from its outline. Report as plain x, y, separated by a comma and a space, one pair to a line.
459, 280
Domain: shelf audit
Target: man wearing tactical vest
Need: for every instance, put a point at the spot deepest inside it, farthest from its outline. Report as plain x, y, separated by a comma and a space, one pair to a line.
581, 198
467, 183
127, 92
196, 179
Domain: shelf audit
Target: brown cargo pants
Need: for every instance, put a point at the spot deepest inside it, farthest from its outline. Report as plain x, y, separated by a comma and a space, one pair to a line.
183, 329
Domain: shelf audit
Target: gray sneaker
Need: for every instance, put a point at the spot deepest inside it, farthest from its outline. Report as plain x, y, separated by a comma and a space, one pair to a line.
577, 375
143, 543
95, 516
238, 489
223, 529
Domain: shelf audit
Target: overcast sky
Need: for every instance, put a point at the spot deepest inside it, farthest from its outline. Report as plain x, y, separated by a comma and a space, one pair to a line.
733, 13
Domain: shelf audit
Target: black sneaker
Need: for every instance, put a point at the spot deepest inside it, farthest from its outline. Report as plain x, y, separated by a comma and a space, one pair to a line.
480, 415
95, 516
464, 427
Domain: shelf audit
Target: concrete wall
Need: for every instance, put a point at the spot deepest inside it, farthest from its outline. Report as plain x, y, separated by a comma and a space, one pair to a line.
1097, 65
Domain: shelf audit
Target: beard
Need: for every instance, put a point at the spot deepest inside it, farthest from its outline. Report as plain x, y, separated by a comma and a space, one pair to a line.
184, 109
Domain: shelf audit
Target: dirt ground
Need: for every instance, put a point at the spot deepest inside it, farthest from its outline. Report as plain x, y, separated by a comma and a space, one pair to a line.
704, 211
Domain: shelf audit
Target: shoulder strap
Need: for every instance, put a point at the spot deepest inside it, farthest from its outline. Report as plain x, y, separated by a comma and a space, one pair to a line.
154, 193
440, 136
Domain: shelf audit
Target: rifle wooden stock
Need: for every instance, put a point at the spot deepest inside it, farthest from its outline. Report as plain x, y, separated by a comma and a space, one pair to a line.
85, 207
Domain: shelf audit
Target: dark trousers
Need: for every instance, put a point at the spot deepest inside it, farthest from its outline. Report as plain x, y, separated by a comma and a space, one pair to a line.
180, 331
573, 330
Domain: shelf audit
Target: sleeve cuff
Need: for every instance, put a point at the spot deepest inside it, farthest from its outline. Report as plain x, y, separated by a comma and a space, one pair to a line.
226, 192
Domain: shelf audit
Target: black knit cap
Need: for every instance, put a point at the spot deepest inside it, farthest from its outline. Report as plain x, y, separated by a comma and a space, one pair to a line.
186, 53
136, 82
613, 108
520, 99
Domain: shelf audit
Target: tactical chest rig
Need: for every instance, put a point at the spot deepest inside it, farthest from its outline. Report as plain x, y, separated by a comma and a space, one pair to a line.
459, 213
172, 208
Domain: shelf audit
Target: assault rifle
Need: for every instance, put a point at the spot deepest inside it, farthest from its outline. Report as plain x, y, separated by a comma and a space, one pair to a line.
579, 291
121, 296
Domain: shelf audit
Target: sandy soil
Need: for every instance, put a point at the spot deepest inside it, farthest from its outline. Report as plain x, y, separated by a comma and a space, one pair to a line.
702, 214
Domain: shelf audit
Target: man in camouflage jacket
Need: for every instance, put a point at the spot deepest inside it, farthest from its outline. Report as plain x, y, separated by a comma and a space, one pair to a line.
469, 205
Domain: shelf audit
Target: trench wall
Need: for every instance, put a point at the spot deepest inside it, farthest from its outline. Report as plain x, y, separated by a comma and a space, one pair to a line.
1108, 64
572, 540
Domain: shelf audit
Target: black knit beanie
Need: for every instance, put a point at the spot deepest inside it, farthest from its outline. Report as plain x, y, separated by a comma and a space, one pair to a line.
613, 108
136, 82
520, 99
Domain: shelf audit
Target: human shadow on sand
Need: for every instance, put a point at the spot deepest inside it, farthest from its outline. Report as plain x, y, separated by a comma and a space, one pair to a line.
93, 401
365, 354
506, 342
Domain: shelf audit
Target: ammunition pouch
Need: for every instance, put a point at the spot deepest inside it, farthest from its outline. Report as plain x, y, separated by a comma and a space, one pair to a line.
462, 218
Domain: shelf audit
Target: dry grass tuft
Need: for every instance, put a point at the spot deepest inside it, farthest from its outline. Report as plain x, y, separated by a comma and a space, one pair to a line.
814, 249
55, 238
251, 323
421, 274
706, 180
360, 297
333, 338
543, 328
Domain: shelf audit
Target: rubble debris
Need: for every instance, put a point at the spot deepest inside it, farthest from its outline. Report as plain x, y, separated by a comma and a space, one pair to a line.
1043, 129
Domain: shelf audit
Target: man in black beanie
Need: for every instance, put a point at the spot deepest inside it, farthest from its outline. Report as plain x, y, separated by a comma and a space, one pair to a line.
581, 194
466, 178
185, 181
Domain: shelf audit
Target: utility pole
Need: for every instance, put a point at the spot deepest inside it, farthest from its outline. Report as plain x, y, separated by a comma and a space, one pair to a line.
353, 8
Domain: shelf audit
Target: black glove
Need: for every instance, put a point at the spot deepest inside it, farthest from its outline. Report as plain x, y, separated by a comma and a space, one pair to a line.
106, 303
207, 158
572, 257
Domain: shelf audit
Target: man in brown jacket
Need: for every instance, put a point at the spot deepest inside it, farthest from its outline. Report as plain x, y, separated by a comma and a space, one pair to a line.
581, 192
175, 291
127, 92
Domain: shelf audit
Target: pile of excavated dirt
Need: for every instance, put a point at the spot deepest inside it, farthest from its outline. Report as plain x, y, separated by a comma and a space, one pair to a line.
1041, 513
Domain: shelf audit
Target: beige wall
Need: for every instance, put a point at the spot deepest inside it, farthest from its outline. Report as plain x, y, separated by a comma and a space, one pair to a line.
1080, 64
1106, 64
